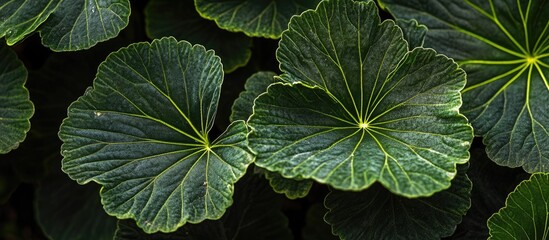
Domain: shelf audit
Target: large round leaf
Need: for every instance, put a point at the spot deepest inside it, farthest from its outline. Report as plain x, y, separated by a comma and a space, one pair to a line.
377, 112
526, 212
254, 18
504, 48
378, 214
142, 133
81, 24
15, 107
180, 19
20, 18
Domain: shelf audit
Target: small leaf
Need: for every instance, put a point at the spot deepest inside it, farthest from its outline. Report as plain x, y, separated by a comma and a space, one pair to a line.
142, 133
255, 85
15, 106
413, 32
504, 48
242, 109
21, 18
361, 108
81, 24
180, 19
254, 18
526, 211
378, 214
292, 188
255, 214
66, 210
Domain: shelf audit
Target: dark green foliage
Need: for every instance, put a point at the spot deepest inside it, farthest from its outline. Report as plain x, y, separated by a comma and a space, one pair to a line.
276, 119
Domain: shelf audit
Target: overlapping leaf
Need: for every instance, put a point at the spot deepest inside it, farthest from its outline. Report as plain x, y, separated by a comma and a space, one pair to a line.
290, 187
254, 18
504, 48
142, 133
180, 19
242, 109
255, 85
15, 107
366, 109
255, 214
81, 24
377, 214
526, 212
20, 18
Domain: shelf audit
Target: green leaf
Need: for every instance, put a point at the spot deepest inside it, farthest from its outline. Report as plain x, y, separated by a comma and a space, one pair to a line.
366, 109
255, 85
504, 48
66, 210
142, 133
413, 32
526, 211
255, 18
292, 188
180, 19
378, 214
15, 106
81, 24
255, 214
21, 18
242, 109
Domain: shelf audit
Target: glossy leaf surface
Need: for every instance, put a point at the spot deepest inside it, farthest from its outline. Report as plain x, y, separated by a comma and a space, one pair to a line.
504, 48
377, 214
254, 18
20, 18
526, 211
15, 107
142, 133
81, 24
180, 19
365, 109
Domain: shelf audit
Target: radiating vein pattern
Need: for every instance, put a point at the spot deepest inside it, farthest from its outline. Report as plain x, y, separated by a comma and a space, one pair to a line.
81, 24
359, 107
254, 18
15, 107
526, 211
142, 133
504, 48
